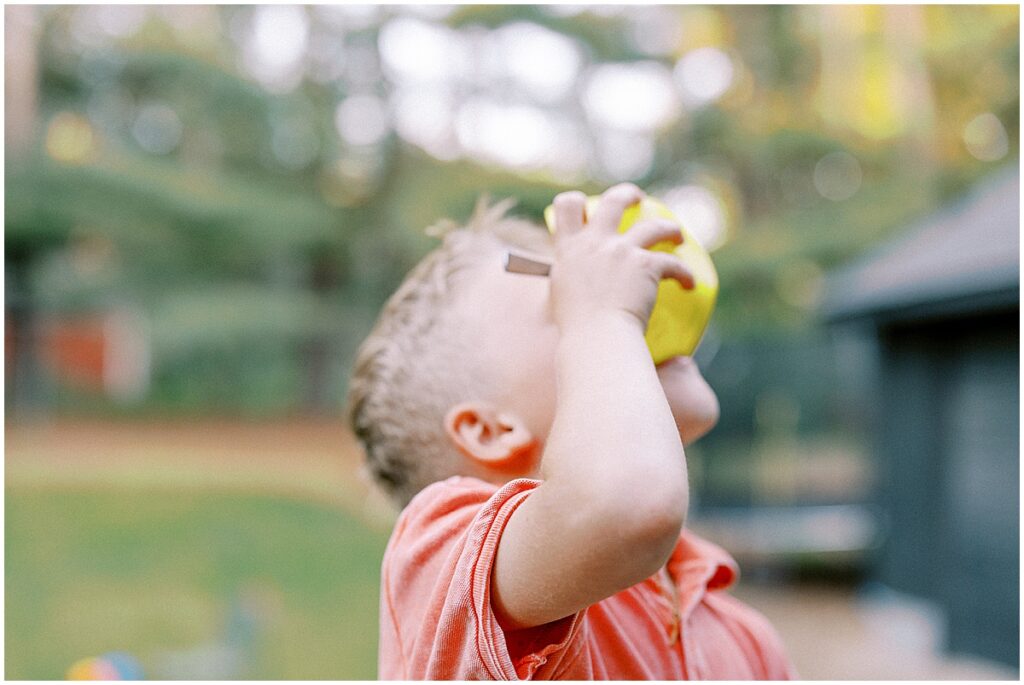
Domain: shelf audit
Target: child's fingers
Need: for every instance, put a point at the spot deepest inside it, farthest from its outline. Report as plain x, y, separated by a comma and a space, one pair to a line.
612, 204
653, 231
570, 209
669, 266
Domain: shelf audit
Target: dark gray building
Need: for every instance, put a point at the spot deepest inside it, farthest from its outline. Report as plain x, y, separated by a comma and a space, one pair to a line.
941, 309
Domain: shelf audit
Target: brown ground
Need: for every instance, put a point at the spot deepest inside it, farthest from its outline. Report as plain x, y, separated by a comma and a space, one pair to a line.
308, 458
828, 631
831, 634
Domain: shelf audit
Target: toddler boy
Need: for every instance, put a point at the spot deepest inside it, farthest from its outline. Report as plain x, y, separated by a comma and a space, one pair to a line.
538, 453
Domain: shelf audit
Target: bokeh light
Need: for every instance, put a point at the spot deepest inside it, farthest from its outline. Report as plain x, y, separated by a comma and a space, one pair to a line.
703, 75
118, 21
625, 155
414, 50
655, 29
157, 128
70, 138
92, 26
986, 138
349, 16
518, 136
837, 176
362, 119
423, 116
701, 213
634, 97
276, 47
545, 62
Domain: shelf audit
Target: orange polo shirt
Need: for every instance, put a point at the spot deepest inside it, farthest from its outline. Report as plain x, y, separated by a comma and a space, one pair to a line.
437, 622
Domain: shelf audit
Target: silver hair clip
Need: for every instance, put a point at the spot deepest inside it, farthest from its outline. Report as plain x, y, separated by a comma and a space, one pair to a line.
518, 264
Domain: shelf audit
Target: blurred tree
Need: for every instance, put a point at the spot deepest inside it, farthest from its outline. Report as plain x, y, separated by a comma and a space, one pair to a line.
254, 180
20, 102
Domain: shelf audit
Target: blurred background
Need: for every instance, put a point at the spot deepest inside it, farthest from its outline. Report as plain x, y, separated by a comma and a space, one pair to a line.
207, 206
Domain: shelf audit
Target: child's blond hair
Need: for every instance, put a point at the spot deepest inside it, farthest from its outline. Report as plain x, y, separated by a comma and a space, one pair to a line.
416, 362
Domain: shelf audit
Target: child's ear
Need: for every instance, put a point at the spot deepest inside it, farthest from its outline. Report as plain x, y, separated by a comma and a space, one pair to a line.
491, 438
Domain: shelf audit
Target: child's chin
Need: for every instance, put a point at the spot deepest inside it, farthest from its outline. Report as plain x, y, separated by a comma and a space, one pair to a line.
678, 372
695, 427
693, 402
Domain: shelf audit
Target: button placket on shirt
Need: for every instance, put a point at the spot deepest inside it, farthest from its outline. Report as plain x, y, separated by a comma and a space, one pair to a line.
692, 584
666, 594
675, 615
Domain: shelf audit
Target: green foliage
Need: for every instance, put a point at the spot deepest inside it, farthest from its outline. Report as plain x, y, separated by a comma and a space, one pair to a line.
262, 229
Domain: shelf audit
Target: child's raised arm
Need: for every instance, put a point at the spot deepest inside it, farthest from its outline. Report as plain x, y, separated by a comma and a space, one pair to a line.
615, 494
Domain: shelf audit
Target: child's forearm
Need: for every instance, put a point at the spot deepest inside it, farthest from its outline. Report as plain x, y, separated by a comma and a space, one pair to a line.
614, 494
613, 436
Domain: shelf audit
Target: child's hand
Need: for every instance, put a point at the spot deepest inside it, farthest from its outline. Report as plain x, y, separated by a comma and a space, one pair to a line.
597, 270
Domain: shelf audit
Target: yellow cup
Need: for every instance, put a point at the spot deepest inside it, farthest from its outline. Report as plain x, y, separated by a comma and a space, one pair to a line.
680, 316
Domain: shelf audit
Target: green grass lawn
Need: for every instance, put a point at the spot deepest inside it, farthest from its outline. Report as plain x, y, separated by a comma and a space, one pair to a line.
160, 572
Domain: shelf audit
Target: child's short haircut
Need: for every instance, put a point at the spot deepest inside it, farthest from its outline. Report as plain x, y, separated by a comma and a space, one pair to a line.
416, 362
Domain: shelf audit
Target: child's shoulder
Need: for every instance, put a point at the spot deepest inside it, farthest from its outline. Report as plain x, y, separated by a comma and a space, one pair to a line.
459, 490
448, 530
455, 502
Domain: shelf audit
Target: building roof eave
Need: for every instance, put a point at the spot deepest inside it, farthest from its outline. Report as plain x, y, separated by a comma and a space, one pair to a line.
964, 257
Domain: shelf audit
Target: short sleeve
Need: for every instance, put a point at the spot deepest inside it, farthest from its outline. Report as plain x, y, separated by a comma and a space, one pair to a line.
437, 622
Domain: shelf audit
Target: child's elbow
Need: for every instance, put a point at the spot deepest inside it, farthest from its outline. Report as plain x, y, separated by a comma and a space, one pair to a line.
650, 526
653, 503
660, 518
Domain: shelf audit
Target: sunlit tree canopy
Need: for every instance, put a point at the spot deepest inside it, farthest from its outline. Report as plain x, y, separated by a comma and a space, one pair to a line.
253, 178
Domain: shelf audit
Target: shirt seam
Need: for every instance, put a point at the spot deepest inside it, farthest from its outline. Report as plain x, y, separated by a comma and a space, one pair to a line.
394, 621
479, 611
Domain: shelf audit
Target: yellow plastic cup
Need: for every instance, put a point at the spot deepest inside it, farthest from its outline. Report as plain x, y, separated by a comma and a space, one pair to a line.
680, 316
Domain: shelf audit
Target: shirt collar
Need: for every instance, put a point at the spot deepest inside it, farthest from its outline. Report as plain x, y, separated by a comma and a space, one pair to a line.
697, 564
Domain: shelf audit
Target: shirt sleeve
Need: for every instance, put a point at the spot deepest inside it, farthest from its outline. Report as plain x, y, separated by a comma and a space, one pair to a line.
437, 622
